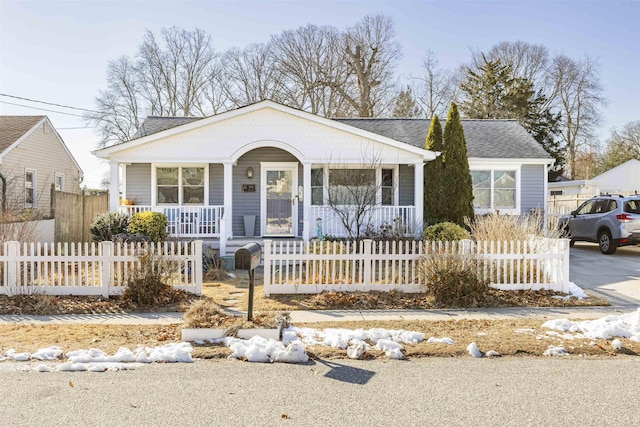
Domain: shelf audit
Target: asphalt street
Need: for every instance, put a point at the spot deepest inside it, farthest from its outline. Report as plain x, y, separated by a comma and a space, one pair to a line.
615, 277
463, 391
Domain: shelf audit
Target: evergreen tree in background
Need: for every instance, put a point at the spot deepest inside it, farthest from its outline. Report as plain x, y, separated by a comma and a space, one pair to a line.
433, 192
456, 178
493, 91
406, 105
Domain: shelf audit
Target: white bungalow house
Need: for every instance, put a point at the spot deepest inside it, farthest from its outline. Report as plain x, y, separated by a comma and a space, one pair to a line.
275, 164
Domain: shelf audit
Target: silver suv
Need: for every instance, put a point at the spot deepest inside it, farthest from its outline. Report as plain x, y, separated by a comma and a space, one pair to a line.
610, 221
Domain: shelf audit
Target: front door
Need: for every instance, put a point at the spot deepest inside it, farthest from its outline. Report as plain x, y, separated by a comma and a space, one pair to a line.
279, 204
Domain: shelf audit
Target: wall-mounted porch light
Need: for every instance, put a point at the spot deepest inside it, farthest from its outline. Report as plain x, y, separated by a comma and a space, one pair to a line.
250, 172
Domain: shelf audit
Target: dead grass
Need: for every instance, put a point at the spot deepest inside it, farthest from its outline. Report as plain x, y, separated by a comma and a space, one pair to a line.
498, 335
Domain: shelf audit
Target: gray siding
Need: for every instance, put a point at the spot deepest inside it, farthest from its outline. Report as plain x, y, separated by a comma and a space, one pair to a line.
216, 184
139, 183
42, 152
405, 185
532, 187
249, 203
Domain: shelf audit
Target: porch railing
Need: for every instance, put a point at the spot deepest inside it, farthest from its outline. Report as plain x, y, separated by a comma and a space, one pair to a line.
186, 221
398, 220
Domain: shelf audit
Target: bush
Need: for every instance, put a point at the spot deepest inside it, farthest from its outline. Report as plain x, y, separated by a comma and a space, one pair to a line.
452, 281
109, 224
445, 232
152, 224
494, 226
148, 283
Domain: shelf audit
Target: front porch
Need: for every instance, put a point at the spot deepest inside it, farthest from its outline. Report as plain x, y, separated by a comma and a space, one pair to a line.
208, 223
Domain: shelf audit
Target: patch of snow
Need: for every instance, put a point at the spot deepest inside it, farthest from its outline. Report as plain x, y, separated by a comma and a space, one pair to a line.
474, 350
293, 353
616, 344
492, 353
443, 340
525, 331
43, 368
392, 349
555, 351
49, 353
18, 357
625, 326
357, 349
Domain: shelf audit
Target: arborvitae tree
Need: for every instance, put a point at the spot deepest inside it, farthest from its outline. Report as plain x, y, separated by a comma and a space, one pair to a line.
433, 192
456, 178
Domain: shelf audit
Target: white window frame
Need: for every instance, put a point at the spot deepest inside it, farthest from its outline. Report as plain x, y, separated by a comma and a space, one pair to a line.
154, 183
55, 181
34, 187
378, 177
500, 167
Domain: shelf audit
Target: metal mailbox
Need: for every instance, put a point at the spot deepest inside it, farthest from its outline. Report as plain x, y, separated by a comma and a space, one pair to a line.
248, 257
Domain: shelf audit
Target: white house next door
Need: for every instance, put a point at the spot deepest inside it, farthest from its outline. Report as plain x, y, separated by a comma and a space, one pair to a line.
278, 201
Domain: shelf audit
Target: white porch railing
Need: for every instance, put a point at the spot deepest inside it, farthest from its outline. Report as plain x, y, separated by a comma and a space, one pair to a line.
186, 221
396, 220
296, 267
91, 268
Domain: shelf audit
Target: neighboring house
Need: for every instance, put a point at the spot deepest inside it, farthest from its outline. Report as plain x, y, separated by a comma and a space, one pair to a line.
277, 164
623, 179
567, 187
33, 157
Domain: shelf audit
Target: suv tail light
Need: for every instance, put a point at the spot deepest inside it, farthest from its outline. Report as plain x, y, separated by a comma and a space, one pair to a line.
624, 217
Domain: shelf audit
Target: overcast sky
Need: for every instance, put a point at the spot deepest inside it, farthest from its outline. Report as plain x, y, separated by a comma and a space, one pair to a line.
57, 51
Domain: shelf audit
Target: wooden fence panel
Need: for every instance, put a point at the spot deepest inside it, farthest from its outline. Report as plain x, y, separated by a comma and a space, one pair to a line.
74, 214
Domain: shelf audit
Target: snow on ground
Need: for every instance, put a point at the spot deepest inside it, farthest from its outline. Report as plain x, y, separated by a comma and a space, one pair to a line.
625, 326
292, 347
574, 291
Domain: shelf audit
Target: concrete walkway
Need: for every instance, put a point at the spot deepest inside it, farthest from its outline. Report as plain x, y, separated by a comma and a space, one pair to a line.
309, 316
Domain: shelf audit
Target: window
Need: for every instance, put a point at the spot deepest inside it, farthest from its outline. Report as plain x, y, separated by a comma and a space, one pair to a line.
180, 185
30, 188
317, 186
556, 192
352, 186
386, 186
59, 181
494, 189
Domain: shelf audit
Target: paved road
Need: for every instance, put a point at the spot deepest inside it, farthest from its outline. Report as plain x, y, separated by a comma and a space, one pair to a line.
615, 277
463, 391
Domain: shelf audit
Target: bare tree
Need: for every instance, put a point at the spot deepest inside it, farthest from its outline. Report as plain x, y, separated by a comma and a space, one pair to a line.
621, 146
529, 61
371, 53
302, 57
251, 75
161, 80
437, 88
577, 93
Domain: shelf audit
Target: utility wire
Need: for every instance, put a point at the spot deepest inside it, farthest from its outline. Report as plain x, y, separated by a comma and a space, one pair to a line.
41, 109
48, 103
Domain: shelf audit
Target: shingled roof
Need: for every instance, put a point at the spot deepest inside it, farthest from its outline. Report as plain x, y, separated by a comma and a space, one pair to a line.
13, 127
155, 124
500, 139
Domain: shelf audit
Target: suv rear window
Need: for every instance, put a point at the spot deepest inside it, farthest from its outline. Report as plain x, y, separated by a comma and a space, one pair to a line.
632, 206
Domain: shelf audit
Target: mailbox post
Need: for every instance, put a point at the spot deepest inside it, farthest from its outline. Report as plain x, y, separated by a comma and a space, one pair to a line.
248, 258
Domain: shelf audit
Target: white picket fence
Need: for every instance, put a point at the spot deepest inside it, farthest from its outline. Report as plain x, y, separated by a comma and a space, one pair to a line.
305, 268
92, 268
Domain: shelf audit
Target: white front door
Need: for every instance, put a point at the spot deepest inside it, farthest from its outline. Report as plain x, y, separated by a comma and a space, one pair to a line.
278, 201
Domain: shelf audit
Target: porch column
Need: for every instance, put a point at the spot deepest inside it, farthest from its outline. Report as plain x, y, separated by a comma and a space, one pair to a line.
306, 203
114, 186
418, 193
228, 200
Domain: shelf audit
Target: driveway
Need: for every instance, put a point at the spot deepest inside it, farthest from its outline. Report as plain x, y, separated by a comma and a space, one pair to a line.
615, 277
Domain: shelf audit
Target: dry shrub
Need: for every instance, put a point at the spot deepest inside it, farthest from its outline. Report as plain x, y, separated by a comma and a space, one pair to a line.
147, 285
205, 313
34, 304
494, 226
19, 227
453, 281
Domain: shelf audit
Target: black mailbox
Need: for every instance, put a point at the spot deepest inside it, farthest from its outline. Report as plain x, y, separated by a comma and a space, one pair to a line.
248, 257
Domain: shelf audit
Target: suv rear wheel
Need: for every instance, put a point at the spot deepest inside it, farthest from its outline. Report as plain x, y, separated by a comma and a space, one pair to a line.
607, 246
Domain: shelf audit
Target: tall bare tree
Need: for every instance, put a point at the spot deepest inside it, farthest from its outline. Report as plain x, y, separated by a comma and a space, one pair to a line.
371, 53
303, 57
577, 93
529, 61
437, 87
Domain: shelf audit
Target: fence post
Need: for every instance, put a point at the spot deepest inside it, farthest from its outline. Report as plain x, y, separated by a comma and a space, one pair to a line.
197, 252
12, 249
368, 262
106, 253
266, 275
565, 244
